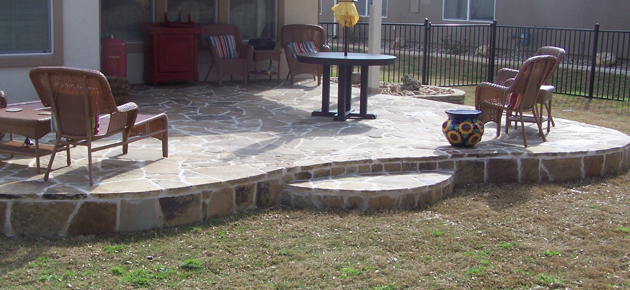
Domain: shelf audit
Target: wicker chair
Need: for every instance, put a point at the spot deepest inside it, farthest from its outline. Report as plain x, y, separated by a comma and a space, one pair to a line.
3, 104
545, 93
3, 100
520, 95
228, 66
303, 33
78, 98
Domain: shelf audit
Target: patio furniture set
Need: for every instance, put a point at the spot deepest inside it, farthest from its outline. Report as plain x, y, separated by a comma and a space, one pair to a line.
520, 91
78, 105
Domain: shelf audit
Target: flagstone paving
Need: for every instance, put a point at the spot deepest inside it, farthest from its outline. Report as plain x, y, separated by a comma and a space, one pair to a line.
240, 147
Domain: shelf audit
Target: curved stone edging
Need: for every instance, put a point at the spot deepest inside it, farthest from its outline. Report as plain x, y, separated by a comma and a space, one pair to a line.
96, 214
457, 97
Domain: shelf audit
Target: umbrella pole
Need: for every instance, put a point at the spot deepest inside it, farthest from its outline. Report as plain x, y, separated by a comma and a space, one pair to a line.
345, 41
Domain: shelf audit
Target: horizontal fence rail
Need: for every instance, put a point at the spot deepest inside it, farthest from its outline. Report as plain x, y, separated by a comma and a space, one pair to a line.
596, 64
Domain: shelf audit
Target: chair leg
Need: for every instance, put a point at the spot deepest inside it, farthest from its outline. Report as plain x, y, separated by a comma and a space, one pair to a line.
497, 119
89, 148
52, 157
208, 74
125, 138
549, 117
68, 161
538, 120
165, 144
508, 123
523, 130
246, 76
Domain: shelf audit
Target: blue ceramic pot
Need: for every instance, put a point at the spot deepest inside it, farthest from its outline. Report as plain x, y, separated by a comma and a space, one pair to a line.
463, 128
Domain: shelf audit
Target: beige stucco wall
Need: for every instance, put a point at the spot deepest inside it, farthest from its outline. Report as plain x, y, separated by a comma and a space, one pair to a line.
301, 11
80, 46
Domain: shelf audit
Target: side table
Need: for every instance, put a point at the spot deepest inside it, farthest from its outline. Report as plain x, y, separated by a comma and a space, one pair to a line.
271, 55
28, 123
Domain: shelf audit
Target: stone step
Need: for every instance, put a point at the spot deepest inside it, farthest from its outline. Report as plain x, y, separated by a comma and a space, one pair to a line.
375, 191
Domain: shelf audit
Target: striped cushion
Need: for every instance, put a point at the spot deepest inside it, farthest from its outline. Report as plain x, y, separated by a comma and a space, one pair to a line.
301, 47
514, 101
225, 45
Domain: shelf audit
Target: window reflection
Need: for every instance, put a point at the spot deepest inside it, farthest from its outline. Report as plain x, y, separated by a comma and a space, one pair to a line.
122, 18
255, 18
201, 11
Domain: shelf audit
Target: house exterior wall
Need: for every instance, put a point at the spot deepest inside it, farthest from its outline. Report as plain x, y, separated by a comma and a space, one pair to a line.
610, 14
301, 12
80, 49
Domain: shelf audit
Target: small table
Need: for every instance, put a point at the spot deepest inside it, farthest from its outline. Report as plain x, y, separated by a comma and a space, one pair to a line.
29, 123
271, 55
344, 94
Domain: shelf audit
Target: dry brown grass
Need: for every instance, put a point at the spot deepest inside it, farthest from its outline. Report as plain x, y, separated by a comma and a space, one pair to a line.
509, 236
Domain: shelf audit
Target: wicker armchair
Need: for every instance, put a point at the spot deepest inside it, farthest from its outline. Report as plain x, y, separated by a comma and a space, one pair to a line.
228, 66
3, 104
3, 100
303, 33
81, 102
545, 93
520, 95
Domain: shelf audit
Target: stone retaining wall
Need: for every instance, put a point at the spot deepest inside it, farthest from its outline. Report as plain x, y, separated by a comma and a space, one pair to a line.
104, 213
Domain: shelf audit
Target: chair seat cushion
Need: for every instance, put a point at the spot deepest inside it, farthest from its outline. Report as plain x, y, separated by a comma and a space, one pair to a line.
302, 47
225, 44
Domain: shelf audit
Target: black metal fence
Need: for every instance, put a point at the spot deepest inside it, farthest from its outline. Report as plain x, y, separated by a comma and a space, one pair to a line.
596, 65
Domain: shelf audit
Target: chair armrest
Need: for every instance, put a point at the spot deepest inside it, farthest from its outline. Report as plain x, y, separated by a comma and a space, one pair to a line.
124, 117
490, 93
324, 48
504, 74
509, 82
3, 100
248, 54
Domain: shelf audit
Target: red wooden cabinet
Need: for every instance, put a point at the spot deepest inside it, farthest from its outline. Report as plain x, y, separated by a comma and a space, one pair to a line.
170, 53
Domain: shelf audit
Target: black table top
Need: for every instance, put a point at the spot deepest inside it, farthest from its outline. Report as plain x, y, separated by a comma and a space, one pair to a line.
338, 58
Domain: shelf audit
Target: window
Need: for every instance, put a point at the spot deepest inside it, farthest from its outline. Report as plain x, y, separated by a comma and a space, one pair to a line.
255, 18
363, 7
26, 26
201, 12
31, 32
122, 18
471, 10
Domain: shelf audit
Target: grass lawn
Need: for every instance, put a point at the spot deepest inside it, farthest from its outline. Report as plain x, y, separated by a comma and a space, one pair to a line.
510, 236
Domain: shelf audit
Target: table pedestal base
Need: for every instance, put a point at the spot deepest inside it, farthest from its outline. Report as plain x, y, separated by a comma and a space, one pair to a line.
345, 62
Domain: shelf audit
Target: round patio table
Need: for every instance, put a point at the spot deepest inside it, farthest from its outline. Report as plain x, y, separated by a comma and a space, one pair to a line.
344, 94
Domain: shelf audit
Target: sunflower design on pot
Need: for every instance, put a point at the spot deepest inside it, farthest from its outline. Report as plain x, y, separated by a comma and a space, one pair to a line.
463, 127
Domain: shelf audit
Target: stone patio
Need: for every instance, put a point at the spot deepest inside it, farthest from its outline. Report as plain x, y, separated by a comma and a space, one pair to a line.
239, 147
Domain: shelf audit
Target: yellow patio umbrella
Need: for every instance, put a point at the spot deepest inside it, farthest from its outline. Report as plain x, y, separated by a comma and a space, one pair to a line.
346, 13
347, 16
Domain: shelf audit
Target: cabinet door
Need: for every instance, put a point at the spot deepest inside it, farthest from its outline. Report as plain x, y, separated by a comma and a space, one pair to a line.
176, 53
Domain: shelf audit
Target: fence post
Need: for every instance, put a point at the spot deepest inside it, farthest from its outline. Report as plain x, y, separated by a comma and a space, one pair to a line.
425, 54
493, 47
591, 83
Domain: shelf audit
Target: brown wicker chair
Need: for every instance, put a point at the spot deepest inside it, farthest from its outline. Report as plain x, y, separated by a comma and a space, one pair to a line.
228, 66
77, 97
3, 104
303, 33
3, 100
492, 99
545, 93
